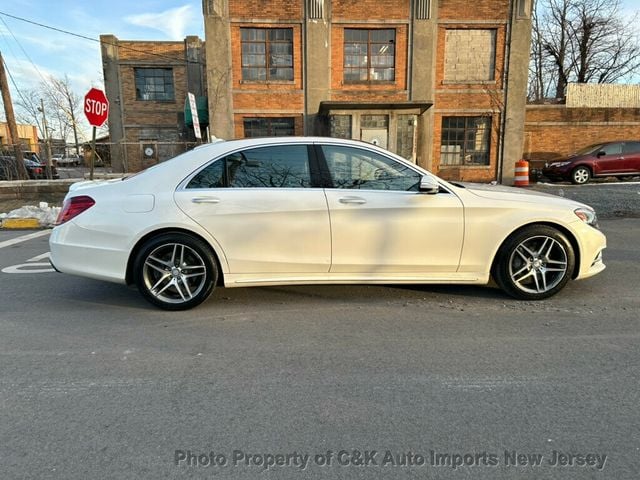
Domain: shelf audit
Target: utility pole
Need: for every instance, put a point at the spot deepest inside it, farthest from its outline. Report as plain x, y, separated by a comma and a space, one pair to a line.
47, 140
11, 122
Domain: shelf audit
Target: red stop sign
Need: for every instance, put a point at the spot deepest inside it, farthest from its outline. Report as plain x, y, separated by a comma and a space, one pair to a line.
96, 107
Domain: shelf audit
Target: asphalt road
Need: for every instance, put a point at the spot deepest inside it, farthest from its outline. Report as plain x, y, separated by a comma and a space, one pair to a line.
95, 383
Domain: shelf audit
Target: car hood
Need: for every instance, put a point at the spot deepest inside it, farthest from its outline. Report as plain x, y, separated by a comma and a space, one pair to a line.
501, 192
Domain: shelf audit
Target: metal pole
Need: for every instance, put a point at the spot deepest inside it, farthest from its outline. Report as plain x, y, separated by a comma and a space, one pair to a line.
47, 140
93, 154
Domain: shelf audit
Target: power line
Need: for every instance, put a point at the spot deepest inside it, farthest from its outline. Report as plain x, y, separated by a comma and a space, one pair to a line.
78, 35
44, 80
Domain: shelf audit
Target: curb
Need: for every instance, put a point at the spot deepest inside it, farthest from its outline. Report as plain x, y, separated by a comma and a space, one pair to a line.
20, 224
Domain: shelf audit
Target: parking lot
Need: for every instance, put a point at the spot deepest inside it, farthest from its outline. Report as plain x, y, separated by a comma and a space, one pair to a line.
319, 382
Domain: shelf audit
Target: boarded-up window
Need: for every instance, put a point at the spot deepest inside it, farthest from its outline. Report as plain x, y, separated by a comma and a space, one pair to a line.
470, 55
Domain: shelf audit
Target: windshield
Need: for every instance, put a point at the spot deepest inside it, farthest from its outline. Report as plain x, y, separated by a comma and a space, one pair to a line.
589, 149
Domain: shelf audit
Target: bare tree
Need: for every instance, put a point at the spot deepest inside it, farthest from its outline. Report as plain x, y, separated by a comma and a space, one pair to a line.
28, 109
583, 41
66, 106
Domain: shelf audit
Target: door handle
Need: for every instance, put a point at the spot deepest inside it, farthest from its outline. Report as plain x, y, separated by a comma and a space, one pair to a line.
205, 200
352, 200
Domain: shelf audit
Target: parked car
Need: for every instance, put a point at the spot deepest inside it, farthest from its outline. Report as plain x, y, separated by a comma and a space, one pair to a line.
303, 210
33, 156
70, 160
9, 169
608, 159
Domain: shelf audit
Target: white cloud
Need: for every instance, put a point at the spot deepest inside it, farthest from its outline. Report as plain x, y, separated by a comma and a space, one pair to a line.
172, 22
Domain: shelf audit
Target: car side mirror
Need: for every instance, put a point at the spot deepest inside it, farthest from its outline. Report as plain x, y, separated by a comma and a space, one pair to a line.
601, 153
429, 185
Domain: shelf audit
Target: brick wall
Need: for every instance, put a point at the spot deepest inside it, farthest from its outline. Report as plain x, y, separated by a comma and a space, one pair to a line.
477, 10
459, 92
150, 120
265, 9
273, 98
554, 131
370, 10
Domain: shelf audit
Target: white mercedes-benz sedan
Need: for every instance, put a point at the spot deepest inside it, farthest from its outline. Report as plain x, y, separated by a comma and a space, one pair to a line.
306, 210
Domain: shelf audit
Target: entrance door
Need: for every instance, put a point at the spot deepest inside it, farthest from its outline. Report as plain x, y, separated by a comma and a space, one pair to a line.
376, 136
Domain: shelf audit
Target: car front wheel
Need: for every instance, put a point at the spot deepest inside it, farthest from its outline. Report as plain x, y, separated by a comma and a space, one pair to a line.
175, 271
534, 263
580, 175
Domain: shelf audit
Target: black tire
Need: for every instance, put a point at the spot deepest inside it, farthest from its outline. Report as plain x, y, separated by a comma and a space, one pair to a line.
580, 175
175, 271
534, 263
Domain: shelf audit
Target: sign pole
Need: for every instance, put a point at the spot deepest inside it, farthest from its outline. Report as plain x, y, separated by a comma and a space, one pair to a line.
92, 161
96, 109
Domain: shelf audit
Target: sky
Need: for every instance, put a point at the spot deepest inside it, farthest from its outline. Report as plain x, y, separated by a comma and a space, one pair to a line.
32, 52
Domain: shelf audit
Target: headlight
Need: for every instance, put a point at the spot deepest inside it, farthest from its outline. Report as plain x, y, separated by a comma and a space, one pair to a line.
587, 215
559, 164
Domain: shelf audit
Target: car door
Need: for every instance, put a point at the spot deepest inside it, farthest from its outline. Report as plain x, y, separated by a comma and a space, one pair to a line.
381, 223
609, 159
260, 206
631, 151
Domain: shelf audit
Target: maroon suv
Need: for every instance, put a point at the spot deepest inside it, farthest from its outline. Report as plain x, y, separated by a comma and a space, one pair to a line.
607, 159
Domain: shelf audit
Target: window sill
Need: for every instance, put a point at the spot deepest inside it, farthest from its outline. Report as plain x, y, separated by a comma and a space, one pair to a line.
469, 82
484, 167
155, 101
370, 82
267, 82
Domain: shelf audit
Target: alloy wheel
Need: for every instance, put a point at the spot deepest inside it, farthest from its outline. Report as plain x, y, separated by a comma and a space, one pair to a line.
538, 264
174, 273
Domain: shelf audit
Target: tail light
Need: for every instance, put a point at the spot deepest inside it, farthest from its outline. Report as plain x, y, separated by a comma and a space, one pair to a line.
74, 206
37, 171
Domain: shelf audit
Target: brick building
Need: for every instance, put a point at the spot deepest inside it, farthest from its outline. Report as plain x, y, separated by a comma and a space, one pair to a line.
437, 82
146, 83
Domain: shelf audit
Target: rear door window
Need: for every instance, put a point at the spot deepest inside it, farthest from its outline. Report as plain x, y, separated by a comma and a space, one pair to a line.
279, 166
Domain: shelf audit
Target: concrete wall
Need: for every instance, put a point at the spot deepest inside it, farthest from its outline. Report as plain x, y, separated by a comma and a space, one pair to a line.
218, 70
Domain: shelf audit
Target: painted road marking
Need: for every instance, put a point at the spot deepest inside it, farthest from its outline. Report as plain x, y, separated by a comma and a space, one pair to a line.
34, 265
37, 258
24, 238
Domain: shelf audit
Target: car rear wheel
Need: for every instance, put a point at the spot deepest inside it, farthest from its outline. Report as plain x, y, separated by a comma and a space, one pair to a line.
175, 271
534, 263
580, 175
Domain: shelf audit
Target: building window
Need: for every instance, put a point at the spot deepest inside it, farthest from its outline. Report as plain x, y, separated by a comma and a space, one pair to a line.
154, 84
465, 141
340, 126
369, 55
267, 54
269, 127
470, 55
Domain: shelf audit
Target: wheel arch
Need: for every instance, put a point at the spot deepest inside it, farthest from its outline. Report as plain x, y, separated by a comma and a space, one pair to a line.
162, 231
585, 165
565, 231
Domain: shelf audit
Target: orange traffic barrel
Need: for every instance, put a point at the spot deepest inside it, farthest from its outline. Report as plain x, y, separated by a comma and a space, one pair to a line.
522, 174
